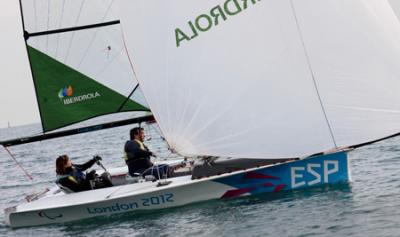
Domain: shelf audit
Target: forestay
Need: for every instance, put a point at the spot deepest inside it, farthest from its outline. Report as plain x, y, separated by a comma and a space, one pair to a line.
267, 79
78, 74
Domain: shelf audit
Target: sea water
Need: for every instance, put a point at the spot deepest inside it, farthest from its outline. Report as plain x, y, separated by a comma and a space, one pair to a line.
369, 206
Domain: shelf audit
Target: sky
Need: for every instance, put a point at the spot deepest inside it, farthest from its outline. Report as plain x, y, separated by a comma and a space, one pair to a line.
18, 104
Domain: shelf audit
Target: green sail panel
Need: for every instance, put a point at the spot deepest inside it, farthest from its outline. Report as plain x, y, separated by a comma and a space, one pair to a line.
66, 96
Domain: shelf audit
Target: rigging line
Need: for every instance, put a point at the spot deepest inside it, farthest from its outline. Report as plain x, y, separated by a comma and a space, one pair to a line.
127, 53
108, 10
19, 164
30, 63
170, 150
94, 35
312, 73
137, 79
133, 71
128, 98
156, 130
35, 18
48, 25
108, 64
73, 33
59, 26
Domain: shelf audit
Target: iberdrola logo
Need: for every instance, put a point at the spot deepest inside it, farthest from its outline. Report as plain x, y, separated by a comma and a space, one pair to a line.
67, 91
67, 96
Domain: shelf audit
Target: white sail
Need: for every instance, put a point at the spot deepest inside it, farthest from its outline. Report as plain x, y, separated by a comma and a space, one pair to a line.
98, 53
79, 63
266, 79
396, 6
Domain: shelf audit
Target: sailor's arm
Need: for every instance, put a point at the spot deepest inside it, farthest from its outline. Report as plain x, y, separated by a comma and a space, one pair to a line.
86, 165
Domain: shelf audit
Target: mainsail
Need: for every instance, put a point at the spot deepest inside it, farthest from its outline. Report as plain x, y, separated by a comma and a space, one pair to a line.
78, 60
266, 79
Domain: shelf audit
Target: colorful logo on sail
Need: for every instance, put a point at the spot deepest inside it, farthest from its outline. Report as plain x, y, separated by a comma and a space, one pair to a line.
67, 91
66, 95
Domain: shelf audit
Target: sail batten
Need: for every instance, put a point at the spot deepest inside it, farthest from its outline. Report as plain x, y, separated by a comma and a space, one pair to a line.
76, 28
81, 130
267, 79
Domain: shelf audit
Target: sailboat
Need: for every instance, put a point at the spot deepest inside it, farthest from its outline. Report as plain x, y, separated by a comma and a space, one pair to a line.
268, 96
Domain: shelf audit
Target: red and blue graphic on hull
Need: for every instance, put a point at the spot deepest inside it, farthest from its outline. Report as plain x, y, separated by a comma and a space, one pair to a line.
313, 171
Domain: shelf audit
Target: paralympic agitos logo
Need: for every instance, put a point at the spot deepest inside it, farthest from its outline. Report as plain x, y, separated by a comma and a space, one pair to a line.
206, 21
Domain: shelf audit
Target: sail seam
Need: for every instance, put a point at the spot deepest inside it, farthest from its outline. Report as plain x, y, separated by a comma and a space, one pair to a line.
312, 73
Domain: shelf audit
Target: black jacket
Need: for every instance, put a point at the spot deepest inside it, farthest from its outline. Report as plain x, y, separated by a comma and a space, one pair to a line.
75, 179
138, 158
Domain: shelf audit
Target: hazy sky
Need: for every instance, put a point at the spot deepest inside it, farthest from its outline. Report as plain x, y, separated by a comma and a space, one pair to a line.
17, 96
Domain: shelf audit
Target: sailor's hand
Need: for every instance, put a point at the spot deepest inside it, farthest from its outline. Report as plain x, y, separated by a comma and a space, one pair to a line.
91, 175
97, 158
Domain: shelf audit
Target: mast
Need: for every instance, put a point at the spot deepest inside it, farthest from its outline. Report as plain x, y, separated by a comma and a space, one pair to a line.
30, 64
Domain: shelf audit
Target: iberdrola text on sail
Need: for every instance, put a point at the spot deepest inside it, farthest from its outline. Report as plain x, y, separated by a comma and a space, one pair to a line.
205, 22
80, 98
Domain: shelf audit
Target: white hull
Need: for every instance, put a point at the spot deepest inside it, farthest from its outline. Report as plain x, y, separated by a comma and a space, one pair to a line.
56, 206
119, 199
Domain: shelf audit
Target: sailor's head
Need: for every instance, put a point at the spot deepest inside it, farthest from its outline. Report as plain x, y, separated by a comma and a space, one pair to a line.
62, 163
137, 134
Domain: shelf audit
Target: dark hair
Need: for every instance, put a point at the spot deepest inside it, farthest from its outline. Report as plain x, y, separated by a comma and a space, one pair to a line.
60, 164
135, 131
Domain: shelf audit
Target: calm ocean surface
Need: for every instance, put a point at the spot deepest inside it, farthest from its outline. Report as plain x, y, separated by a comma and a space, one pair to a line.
369, 206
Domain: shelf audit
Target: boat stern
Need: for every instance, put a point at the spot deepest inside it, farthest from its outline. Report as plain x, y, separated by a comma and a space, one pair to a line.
309, 172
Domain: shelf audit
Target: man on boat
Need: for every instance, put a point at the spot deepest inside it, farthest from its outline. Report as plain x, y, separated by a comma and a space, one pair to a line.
137, 157
71, 176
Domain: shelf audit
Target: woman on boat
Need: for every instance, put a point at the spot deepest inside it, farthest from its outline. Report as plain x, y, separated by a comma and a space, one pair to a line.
71, 176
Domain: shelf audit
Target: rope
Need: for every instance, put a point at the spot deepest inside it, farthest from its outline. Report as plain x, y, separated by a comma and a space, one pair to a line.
127, 53
48, 25
313, 74
95, 34
59, 26
20, 166
35, 19
73, 33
